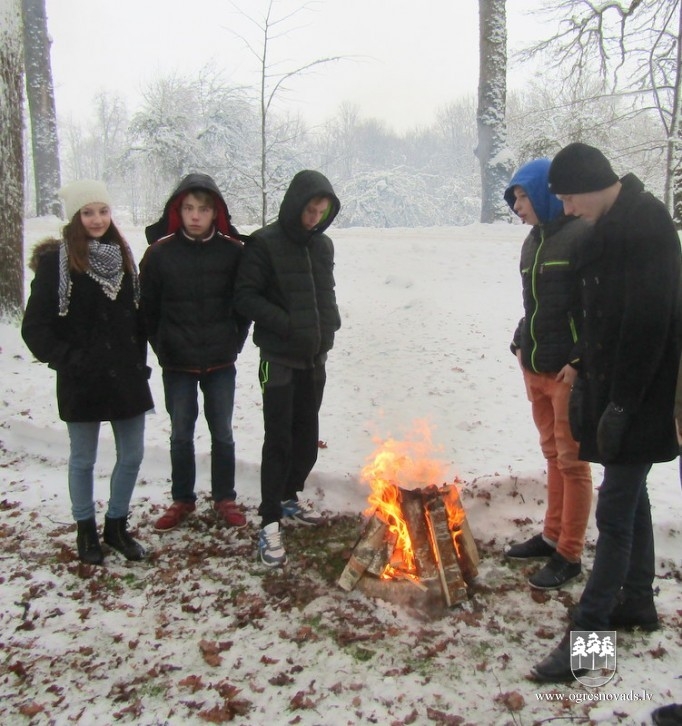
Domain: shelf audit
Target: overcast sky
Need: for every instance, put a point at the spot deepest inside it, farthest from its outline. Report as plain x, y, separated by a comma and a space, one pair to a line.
402, 58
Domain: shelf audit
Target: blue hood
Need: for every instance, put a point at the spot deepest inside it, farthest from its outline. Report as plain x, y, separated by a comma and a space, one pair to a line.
533, 178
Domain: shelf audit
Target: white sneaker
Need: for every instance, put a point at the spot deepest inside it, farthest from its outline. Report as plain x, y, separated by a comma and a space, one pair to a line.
270, 546
301, 512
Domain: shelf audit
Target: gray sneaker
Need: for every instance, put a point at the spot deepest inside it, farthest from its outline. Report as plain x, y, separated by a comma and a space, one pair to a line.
270, 546
301, 512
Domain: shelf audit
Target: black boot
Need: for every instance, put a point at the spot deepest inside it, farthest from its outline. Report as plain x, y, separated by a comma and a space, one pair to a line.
556, 667
636, 612
87, 541
116, 535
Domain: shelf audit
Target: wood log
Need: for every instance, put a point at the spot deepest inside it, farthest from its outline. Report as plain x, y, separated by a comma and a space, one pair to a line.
444, 552
467, 551
364, 551
413, 511
383, 555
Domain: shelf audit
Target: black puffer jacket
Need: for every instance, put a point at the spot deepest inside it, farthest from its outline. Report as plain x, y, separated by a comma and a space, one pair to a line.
188, 286
630, 273
286, 279
98, 348
548, 333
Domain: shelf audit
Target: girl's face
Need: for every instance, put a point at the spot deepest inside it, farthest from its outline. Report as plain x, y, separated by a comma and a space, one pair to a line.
96, 219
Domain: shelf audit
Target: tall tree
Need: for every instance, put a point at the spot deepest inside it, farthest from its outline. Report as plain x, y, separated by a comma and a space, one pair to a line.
40, 94
11, 160
637, 47
273, 81
491, 151
190, 123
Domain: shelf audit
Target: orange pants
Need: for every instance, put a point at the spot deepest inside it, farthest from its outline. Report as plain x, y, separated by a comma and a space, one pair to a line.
569, 480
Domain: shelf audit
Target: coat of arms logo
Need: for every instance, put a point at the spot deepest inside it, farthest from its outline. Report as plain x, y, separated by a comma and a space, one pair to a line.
593, 656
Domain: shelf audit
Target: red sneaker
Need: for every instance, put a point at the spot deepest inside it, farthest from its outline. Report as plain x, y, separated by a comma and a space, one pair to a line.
230, 513
174, 515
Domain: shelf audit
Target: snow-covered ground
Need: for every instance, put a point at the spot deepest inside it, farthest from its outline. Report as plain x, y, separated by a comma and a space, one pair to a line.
201, 633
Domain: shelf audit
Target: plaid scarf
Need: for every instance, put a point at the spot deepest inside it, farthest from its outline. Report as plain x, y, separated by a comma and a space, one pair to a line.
105, 267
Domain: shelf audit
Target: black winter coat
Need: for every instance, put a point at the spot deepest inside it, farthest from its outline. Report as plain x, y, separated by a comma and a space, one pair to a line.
286, 280
630, 273
187, 299
98, 348
548, 333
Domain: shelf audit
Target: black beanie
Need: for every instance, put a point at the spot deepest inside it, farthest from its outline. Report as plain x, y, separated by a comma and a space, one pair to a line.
579, 168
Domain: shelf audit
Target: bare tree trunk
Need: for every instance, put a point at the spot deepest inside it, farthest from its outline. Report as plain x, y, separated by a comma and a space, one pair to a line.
264, 107
491, 151
11, 160
273, 80
673, 177
40, 94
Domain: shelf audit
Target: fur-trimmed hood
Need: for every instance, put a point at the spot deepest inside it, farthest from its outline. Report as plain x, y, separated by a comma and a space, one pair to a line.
41, 249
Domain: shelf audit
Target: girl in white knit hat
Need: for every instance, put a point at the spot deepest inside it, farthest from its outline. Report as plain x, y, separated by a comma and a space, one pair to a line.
82, 319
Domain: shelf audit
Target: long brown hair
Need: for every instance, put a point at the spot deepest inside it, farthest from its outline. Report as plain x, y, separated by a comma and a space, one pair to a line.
77, 238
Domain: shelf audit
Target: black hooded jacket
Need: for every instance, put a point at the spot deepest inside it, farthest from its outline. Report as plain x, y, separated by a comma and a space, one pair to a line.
286, 279
188, 285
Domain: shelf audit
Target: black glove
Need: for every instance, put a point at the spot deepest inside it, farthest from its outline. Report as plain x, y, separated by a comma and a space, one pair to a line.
611, 430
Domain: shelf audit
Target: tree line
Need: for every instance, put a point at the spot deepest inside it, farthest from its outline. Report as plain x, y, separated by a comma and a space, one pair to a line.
610, 76
423, 177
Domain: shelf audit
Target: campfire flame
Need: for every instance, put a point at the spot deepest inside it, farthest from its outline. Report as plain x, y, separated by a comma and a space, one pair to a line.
409, 464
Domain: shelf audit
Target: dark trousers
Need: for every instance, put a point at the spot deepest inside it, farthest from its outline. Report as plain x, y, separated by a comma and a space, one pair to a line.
624, 556
291, 403
180, 389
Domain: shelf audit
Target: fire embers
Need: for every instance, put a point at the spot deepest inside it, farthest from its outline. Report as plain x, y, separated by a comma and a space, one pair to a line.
417, 546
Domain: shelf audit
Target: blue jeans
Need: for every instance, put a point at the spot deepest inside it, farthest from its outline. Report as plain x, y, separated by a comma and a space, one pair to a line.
624, 556
129, 440
180, 390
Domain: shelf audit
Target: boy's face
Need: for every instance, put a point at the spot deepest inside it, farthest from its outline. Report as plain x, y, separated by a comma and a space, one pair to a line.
590, 206
524, 208
197, 216
314, 213
96, 219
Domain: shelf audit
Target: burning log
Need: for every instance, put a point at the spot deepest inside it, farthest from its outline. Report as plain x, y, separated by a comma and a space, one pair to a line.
412, 506
425, 540
467, 551
383, 555
364, 553
444, 551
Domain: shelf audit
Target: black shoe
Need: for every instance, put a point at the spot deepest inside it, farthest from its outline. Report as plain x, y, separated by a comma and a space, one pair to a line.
555, 574
556, 667
530, 549
87, 541
670, 715
636, 612
116, 535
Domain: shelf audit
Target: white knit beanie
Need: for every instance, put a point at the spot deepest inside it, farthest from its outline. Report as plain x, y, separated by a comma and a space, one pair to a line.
79, 193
